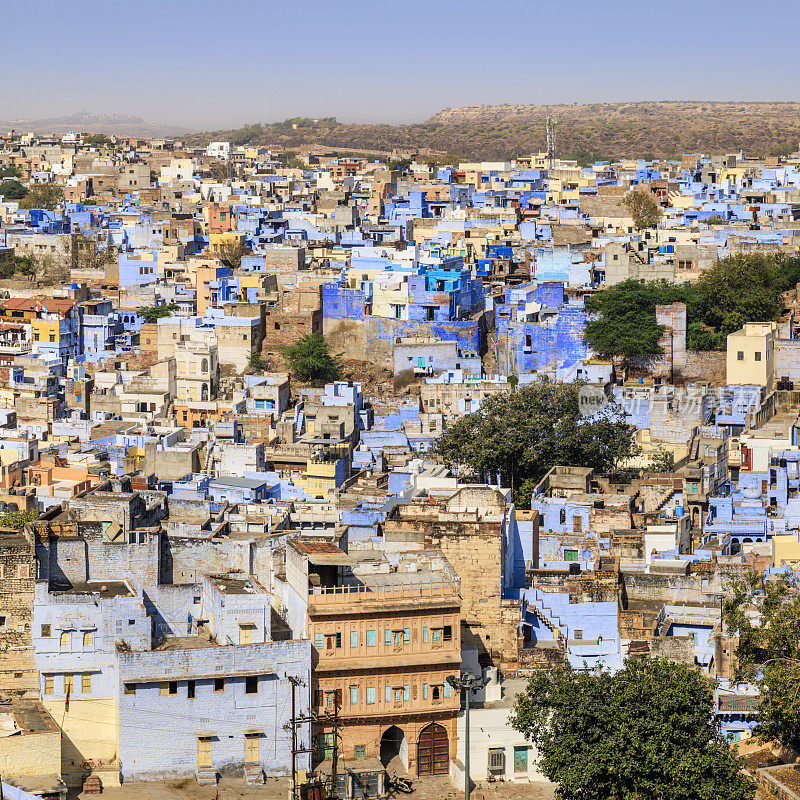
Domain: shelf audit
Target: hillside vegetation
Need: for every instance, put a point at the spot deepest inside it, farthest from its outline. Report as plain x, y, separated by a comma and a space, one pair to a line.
586, 132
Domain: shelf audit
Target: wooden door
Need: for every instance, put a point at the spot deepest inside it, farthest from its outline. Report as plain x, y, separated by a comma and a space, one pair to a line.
251, 755
433, 751
204, 754
246, 633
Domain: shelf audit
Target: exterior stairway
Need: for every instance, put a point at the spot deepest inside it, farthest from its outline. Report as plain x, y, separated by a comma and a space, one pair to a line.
207, 776
253, 774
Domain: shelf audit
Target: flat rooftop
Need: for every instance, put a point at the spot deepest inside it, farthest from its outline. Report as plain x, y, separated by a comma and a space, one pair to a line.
102, 588
233, 585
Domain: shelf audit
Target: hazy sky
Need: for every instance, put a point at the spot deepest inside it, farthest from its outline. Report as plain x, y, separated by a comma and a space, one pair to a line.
221, 63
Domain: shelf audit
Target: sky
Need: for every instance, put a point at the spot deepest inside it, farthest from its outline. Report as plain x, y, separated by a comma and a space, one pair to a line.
211, 64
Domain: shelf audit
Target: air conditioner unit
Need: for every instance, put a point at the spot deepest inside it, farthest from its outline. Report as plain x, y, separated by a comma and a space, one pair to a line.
497, 760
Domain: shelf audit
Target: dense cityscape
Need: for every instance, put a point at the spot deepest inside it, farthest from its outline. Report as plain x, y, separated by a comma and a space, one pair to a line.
333, 474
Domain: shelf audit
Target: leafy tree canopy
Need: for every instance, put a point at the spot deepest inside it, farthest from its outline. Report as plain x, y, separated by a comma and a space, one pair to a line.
257, 362
765, 616
311, 361
738, 289
523, 434
96, 139
154, 313
627, 322
643, 206
47, 196
10, 171
646, 731
17, 519
12, 190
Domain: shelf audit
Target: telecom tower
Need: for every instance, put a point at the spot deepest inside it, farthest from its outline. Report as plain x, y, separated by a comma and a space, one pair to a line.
550, 128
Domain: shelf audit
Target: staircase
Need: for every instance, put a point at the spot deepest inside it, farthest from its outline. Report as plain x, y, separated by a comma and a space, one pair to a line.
253, 774
92, 785
207, 776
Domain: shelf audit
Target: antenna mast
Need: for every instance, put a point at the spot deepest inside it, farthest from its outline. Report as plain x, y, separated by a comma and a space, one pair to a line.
550, 128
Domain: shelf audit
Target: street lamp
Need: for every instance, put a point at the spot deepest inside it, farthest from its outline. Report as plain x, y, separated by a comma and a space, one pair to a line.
470, 683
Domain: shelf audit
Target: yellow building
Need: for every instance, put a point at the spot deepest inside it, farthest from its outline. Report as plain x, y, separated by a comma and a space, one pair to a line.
751, 355
786, 550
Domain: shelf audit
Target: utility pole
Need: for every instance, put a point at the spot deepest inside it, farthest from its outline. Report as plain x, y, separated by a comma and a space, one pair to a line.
335, 758
295, 681
469, 683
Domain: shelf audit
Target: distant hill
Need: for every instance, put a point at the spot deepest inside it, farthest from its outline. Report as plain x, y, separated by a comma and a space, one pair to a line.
82, 122
587, 132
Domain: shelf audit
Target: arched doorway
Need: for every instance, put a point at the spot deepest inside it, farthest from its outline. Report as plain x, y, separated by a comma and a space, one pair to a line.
394, 748
433, 751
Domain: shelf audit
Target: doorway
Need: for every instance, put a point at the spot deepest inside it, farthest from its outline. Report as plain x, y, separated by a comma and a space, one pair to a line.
433, 751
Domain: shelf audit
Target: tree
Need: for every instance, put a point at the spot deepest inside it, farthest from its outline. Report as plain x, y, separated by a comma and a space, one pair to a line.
96, 139
626, 322
47, 196
765, 616
646, 731
231, 252
642, 205
663, 461
401, 165
257, 362
152, 314
10, 171
521, 435
310, 360
17, 519
738, 289
219, 171
12, 190
91, 254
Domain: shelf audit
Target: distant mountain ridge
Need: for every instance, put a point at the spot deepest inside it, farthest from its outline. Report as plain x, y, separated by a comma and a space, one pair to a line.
664, 129
84, 122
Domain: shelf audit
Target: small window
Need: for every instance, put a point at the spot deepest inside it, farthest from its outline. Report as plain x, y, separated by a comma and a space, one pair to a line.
370, 638
49, 684
319, 641
360, 751
406, 635
86, 683
447, 633
424, 691
88, 638
190, 689
64, 641
219, 684
353, 638
578, 634
251, 684
354, 695
370, 694
130, 688
758, 356
173, 687
740, 356
45, 630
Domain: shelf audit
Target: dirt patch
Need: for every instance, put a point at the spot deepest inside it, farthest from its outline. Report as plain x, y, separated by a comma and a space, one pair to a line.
375, 379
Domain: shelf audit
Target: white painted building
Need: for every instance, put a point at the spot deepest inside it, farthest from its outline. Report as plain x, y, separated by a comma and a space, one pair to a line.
497, 751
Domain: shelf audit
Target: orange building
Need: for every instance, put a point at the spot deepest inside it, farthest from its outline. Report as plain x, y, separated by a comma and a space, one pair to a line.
385, 642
